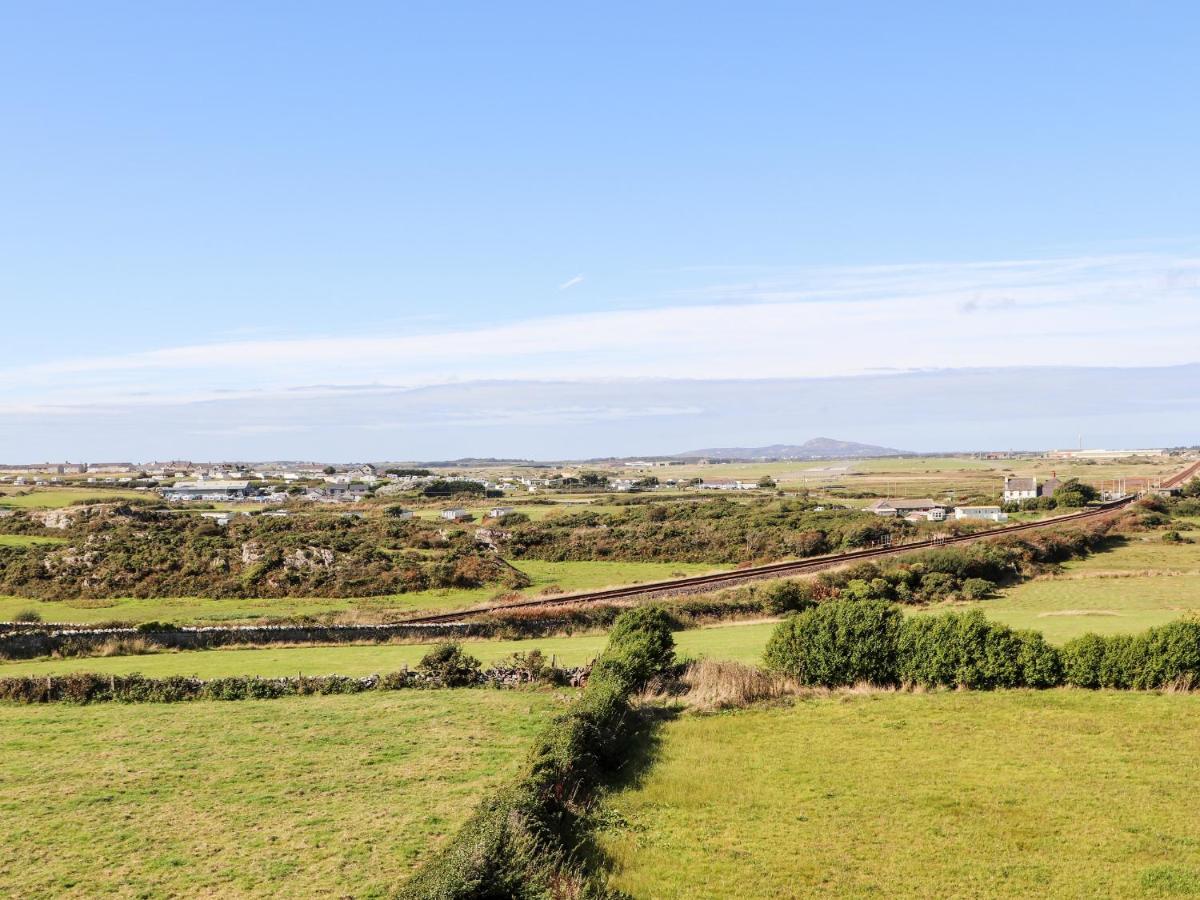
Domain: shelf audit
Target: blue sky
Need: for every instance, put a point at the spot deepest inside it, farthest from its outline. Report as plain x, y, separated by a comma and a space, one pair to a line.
221, 211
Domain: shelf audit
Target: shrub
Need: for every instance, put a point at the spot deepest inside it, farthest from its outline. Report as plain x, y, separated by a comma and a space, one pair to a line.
976, 589
152, 626
519, 842
450, 664
788, 596
640, 646
1159, 657
837, 643
28, 616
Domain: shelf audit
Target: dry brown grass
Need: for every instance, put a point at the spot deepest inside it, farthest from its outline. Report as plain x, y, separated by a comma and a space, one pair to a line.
711, 685
719, 684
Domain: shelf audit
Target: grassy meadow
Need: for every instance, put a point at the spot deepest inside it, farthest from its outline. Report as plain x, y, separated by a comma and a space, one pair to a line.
567, 576
1132, 587
56, 497
742, 642
27, 540
299, 797
1059, 793
913, 477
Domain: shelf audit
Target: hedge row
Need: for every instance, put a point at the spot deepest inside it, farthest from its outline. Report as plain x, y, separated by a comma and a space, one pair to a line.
844, 642
521, 841
90, 687
446, 665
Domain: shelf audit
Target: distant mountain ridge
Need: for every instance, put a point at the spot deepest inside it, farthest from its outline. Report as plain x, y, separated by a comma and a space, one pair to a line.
817, 448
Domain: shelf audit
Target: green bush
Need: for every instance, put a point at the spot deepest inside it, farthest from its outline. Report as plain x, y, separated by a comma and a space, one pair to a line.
450, 664
519, 842
1165, 656
838, 643
976, 589
28, 616
788, 596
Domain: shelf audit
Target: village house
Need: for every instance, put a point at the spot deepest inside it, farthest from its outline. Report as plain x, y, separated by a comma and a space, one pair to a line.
903, 506
1017, 489
983, 513
937, 514
207, 490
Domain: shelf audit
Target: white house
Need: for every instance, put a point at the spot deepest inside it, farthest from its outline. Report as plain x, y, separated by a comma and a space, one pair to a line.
1018, 489
497, 511
937, 514
455, 514
903, 506
985, 513
212, 489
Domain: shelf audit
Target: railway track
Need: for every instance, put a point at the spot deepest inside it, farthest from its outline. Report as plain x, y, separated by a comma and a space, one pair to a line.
1192, 471
698, 584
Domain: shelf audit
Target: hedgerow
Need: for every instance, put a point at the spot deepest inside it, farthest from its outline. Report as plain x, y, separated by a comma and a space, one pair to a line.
844, 642
521, 842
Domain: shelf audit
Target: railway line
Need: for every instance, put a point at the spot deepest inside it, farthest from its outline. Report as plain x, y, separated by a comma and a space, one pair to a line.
697, 584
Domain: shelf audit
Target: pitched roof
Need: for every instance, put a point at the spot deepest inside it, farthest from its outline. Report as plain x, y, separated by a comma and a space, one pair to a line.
904, 503
1020, 484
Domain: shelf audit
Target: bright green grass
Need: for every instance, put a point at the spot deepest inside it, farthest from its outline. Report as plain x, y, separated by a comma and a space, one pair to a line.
299, 797
27, 540
54, 498
570, 576
1128, 589
1008, 794
743, 642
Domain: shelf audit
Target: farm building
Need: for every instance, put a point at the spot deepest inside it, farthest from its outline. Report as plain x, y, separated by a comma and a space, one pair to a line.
902, 506
207, 490
983, 513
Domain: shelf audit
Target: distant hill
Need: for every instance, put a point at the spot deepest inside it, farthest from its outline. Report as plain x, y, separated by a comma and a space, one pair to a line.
817, 448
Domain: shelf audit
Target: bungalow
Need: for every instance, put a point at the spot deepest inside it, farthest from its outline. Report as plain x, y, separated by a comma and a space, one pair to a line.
455, 514
497, 511
902, 506
937, 514
985, 513
207, 490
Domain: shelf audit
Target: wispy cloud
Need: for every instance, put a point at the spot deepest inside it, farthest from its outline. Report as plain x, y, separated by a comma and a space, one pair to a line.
571, 282
1127, 310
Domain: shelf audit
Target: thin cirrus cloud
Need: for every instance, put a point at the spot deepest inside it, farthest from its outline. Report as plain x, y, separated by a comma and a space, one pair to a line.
1126, 310
571, 282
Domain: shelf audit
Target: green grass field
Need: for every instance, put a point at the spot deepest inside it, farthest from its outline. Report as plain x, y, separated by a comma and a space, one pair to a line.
742, 642
569, 576
54, 498
26, 540
918, 477
300, 797
1145, 582
1007, 794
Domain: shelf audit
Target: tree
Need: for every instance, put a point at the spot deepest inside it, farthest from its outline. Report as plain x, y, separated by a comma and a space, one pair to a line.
329, 470
766, 482
1074, 493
